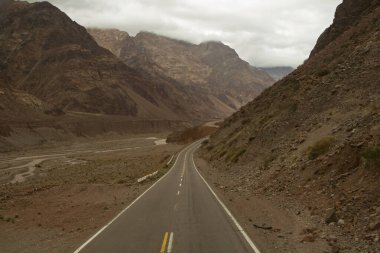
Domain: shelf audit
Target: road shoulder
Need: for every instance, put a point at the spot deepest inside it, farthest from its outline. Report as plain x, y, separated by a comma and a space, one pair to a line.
271, 227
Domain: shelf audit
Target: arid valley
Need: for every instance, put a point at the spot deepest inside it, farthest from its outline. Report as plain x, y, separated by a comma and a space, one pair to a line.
162, 126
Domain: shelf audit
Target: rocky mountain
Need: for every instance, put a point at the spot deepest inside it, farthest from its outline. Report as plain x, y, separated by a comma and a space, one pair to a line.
210, 66
55, 79
310, 144
56, 82
278, 73
57, 67
112, 39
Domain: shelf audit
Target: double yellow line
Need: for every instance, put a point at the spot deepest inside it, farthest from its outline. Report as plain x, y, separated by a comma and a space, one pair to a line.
164, 242
167, 241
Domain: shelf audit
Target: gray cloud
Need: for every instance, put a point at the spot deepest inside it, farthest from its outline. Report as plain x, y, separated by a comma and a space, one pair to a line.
264, 33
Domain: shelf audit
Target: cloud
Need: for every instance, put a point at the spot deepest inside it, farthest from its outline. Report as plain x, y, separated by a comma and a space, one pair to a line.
264, 33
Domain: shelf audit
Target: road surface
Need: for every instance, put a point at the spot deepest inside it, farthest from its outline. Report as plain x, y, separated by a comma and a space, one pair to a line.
179, 213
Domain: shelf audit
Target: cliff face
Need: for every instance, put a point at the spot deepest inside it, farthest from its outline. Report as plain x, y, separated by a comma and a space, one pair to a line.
313, 138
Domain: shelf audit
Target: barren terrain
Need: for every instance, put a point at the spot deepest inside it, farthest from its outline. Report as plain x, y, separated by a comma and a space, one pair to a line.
73, 191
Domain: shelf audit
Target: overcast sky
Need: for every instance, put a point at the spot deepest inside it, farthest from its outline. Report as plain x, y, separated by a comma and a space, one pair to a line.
263, 32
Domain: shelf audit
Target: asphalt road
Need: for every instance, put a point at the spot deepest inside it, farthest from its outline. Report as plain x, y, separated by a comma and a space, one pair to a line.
179, 213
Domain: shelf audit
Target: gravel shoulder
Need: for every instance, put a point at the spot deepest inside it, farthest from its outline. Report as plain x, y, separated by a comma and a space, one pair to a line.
273, 223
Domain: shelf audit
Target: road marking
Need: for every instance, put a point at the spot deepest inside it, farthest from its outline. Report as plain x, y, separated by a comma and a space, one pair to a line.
180, 185
170, 160
175, 207
163, 246
117, 216
240, 229
170, 245
178, 192
181, 179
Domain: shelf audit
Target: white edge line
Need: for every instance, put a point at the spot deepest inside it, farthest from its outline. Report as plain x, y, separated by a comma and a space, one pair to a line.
117, 216
170, 160
170, 244
246, 237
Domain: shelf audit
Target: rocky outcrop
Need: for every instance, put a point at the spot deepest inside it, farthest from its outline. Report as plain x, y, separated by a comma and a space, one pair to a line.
348, 14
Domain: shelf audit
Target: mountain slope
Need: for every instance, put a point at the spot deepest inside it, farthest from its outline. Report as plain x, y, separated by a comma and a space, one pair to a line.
211, 66
278, 73
310, 143
48, 56
57, 84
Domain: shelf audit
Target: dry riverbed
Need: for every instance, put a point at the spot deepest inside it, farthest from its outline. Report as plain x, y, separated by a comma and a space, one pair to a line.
72, 192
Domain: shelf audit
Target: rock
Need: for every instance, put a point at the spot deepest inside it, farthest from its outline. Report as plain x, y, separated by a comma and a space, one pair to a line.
340, 222
374, 225
263, 226
331, 216
335, 249
332, 239
309, 238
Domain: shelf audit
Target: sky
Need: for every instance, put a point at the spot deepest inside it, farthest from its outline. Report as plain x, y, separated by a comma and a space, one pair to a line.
263, 32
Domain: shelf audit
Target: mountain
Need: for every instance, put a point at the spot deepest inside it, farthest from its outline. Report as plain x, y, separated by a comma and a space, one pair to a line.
278, 73
57, 83
211, 66
311, 142
54, 62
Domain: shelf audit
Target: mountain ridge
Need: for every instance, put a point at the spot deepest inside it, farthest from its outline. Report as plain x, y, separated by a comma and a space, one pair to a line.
195, 65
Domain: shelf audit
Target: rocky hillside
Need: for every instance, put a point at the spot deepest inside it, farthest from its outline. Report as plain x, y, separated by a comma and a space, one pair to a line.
278, 73
211, 66
311, 143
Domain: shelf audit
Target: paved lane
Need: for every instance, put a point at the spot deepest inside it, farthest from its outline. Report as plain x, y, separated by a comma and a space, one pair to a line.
179, 213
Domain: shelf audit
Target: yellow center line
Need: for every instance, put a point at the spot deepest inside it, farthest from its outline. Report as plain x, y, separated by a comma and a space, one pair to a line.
163, 247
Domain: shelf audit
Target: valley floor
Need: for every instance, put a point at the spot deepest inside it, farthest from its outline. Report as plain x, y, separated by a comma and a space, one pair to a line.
51, 200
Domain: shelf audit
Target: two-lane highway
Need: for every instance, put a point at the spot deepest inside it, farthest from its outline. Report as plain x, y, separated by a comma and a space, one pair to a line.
179, 213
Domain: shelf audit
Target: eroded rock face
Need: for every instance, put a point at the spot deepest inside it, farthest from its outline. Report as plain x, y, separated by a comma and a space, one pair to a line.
211, 66
112, 39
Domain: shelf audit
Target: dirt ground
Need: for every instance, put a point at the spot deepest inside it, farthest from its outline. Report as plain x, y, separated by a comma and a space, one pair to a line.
73, 191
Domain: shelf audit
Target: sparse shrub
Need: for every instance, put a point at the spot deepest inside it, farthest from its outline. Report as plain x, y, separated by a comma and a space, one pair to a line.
372, 155
210, 147
223, 153
121, 181
245, 121
237, 155
293, 107
323, 72
205, 142
321, 147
